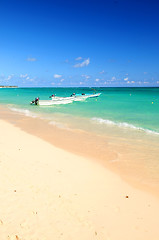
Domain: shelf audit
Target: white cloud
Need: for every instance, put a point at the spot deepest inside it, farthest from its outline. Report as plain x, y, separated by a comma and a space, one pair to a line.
86, 76
31, 59
10, 77
81, 83
97, 79
57, 76
157, 82
132, 81
113, 78
102, 72
126, 79
83, 64
62, 80
23, 75
78, 58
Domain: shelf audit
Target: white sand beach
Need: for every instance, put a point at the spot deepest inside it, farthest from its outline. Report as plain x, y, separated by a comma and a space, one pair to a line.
48, 193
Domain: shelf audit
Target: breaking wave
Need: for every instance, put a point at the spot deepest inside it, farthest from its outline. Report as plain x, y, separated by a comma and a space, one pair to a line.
33, 115
23, 111
123, 125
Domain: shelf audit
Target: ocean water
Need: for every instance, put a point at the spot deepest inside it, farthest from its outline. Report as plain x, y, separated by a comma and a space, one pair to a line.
127, 108
122, 120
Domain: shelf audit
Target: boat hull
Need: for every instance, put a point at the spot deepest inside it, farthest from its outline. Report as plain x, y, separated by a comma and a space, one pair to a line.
52, 102
66, 100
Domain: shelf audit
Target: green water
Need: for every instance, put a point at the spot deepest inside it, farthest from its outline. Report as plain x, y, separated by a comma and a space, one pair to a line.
135, 108
126, 119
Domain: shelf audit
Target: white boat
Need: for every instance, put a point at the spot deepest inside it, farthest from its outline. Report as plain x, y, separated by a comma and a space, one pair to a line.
64, 100
53, 102
85, 96
77, 97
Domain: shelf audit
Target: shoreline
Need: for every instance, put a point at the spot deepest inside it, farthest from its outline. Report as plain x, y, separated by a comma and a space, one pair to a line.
112, 155
47, 191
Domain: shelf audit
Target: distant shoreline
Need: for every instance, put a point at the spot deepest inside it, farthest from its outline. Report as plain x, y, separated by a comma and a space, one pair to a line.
8, 86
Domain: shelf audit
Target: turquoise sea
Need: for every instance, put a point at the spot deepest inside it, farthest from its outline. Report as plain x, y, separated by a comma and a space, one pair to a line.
124, 121
127, 108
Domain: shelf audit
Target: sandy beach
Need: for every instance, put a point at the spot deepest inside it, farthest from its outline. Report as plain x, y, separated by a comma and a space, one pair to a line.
79, 120
48, 193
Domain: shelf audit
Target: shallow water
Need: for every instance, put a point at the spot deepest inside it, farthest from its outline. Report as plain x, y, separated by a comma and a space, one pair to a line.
125, 107
124, 121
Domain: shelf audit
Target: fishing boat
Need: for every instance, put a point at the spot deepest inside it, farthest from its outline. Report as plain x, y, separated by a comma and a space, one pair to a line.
63, 100
80, 97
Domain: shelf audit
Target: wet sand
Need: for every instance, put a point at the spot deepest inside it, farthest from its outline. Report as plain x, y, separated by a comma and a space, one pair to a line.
131, 158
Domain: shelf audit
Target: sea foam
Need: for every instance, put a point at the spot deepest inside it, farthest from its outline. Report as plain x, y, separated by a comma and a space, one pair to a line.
25, 112
123, 125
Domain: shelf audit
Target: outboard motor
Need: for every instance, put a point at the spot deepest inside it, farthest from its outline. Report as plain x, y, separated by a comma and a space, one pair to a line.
36, 100
32, 102
53, 95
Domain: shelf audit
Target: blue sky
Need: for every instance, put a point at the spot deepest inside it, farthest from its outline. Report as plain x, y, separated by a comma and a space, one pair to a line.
61, 43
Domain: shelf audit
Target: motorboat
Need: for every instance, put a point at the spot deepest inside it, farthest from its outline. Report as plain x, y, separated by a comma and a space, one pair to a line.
63, 100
